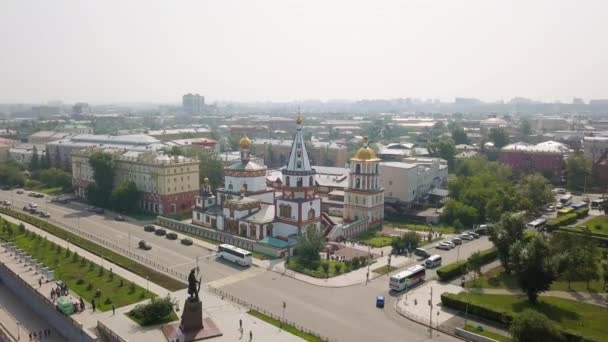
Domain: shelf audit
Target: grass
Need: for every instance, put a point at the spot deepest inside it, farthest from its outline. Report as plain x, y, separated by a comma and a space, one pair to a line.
420, 227
289, 328
568, 314
380, 241
82, 276
384, 269
156, 277
489, 334
317, 272
51, 191
597, 225
496, 278
169, 318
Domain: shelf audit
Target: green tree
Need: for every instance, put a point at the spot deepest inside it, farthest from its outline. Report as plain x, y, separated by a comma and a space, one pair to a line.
444, 148
35, 161
525, 128
474, 263
499, 137
605, 272
578, 171
532, 326
456, 210
211, 167
459, 135
311, 244
11, 174
535, 192
533, 266
569, 251
505, 234
102, 164
54, 177
125, 197
406, 243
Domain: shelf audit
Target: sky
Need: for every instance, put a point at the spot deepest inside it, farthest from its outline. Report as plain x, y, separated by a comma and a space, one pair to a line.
282, 50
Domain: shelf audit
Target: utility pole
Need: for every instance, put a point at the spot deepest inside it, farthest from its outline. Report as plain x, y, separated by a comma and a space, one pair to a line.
129, 243
431, 314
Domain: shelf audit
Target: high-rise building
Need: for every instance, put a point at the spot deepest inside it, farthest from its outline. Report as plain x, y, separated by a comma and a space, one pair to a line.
193, 104
81, 108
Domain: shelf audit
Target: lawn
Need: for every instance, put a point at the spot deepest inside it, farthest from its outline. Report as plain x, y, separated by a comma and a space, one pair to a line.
384, 269
289, 328
568, 314
156, 277
295, 265
420, 227
497, 279
492, 335
82, 276
597, 225
380, 241
51, 191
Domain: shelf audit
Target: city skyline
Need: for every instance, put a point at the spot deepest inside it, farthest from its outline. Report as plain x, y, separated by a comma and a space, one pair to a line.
290, 50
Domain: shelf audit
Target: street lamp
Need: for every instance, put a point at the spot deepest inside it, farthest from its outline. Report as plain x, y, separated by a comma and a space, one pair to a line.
18, 331
147, 284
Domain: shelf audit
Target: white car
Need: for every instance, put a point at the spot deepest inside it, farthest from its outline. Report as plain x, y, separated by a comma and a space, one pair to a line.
550, 208
443, 246
559, 206
466, 237
452, 245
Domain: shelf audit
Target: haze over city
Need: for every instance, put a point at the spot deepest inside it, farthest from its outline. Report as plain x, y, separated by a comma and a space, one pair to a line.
154, 51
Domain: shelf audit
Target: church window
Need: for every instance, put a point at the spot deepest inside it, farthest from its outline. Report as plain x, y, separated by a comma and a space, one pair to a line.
207, 219
299, 145
287, 180
285, 210
299, 154
230, 186
357, 183
377, 168
245, 186
357, 168
299, 164
310, 181
311, 214
299, 182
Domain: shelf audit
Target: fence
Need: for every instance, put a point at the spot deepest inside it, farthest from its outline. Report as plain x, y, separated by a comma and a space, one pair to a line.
5, 334
116, 248
108, 333
250, 306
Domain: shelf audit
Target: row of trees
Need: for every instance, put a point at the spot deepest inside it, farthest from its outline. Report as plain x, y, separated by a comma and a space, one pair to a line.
536, 264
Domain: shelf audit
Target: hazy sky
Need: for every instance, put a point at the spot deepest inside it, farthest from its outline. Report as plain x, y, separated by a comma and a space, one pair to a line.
101, 51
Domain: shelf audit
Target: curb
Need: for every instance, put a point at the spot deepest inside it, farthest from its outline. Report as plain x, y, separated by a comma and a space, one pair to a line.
425, 324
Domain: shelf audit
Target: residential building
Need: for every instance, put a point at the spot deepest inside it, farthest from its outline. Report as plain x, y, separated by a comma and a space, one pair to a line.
596, 149
193, 104
81, 108
411, 181
398, 151
23, 153
364, 195
168, 184
542, 123
179, 133
546, 158
43, 137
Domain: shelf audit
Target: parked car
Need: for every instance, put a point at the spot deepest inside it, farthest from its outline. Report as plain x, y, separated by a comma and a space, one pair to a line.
44, 214
482, 229
149, 228
98, 210
160, 232
450, 243
20, 191
143, 244
6, 203
6, 187
561, 191
37, 195
586, 199
120, 218
380, 302
171, 236
559, 206
473, 234
550, 208
187, 241
457, 241
466, 237
577, 193
443, 246
421, 252
26, 208
32, 194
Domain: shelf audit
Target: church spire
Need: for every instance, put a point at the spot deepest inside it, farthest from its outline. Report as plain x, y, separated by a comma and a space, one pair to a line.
298, 158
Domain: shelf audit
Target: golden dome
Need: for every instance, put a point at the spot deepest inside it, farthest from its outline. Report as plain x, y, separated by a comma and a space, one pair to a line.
245, 142
299, 120
365, 152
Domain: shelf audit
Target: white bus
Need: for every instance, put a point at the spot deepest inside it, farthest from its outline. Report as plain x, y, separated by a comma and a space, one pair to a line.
537, 224
566, 199
433, 261
234, 254
408, 278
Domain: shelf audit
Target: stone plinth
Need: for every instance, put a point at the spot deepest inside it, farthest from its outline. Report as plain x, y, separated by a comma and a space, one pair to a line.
192, 326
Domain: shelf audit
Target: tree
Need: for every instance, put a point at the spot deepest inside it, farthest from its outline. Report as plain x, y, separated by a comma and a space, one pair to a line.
499, 137
504, 234
35, 161
533, 266
578, 170
11, 174
55, 177
102, 164
569, 251
525, 128
211, 166
474, 263
605, 272
535, 192
456, 210
459, 135
590, 265
408, 242
311, 244
125, 197
325, 267
532, 326
444, 148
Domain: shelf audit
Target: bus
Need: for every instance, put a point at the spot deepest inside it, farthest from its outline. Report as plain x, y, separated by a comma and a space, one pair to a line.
564, 211
597, 203
234, 254
537, 224
433, 261
566, 199
579, 205
408, 278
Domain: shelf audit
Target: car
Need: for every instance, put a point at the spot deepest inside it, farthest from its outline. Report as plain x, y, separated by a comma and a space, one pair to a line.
26, 208
482, 229
149, 228
143, 244
91, 209
120, 218
32, 194
6, 187
44, 214
37, 195
187, 241
561, 191
550, 208
421, 252
586, 199
457, 241
6, 203
443, 246
20, 191
577, 193
171, 236
98, 210
450, 243
380, 302
160, 232
473, 234
559, 206
466, 237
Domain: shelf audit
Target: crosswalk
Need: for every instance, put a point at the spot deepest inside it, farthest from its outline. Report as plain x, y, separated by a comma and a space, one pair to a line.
235, 278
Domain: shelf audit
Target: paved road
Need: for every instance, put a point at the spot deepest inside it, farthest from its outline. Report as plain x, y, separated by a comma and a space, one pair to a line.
346, 314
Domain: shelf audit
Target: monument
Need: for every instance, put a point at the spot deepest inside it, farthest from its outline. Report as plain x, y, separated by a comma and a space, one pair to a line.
192, 327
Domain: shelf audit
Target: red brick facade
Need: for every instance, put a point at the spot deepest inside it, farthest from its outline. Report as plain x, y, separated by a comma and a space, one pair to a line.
550, 165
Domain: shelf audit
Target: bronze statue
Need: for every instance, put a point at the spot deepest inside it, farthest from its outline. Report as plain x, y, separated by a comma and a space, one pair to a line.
193, 289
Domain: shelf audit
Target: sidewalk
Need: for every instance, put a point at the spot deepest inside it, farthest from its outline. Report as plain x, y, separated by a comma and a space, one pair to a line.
347, 279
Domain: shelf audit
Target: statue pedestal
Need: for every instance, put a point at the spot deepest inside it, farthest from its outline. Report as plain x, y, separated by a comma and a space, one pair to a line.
192, 326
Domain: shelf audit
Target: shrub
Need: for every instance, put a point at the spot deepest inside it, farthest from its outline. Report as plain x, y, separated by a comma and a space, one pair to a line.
121, 283
89, 286
153, 312
325, 267
100, 272
456, 269
67, 253
598, 226
348, 264
131, 288
531, 326
97, 293
338, 268
108, 301
91, 265
79, 282
355, 263
562, 220
452, 300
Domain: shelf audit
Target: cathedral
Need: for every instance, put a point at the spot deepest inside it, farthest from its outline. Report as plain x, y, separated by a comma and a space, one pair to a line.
247, 207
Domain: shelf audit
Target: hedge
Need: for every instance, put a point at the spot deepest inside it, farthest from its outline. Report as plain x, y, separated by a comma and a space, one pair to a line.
451, 300
562, 220
137, 268
455, 269
582, 212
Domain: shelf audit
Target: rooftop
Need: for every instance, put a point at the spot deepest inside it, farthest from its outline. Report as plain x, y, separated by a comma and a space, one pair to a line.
544, 147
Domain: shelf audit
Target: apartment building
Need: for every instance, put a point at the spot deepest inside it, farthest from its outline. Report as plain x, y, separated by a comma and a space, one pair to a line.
411, 181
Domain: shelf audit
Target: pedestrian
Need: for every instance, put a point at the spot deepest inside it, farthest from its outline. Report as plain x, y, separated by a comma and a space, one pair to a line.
240, 324
35, 335
250, 335
113, 310
40, 334
40, 282
49, 332
93, 304
30, 336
